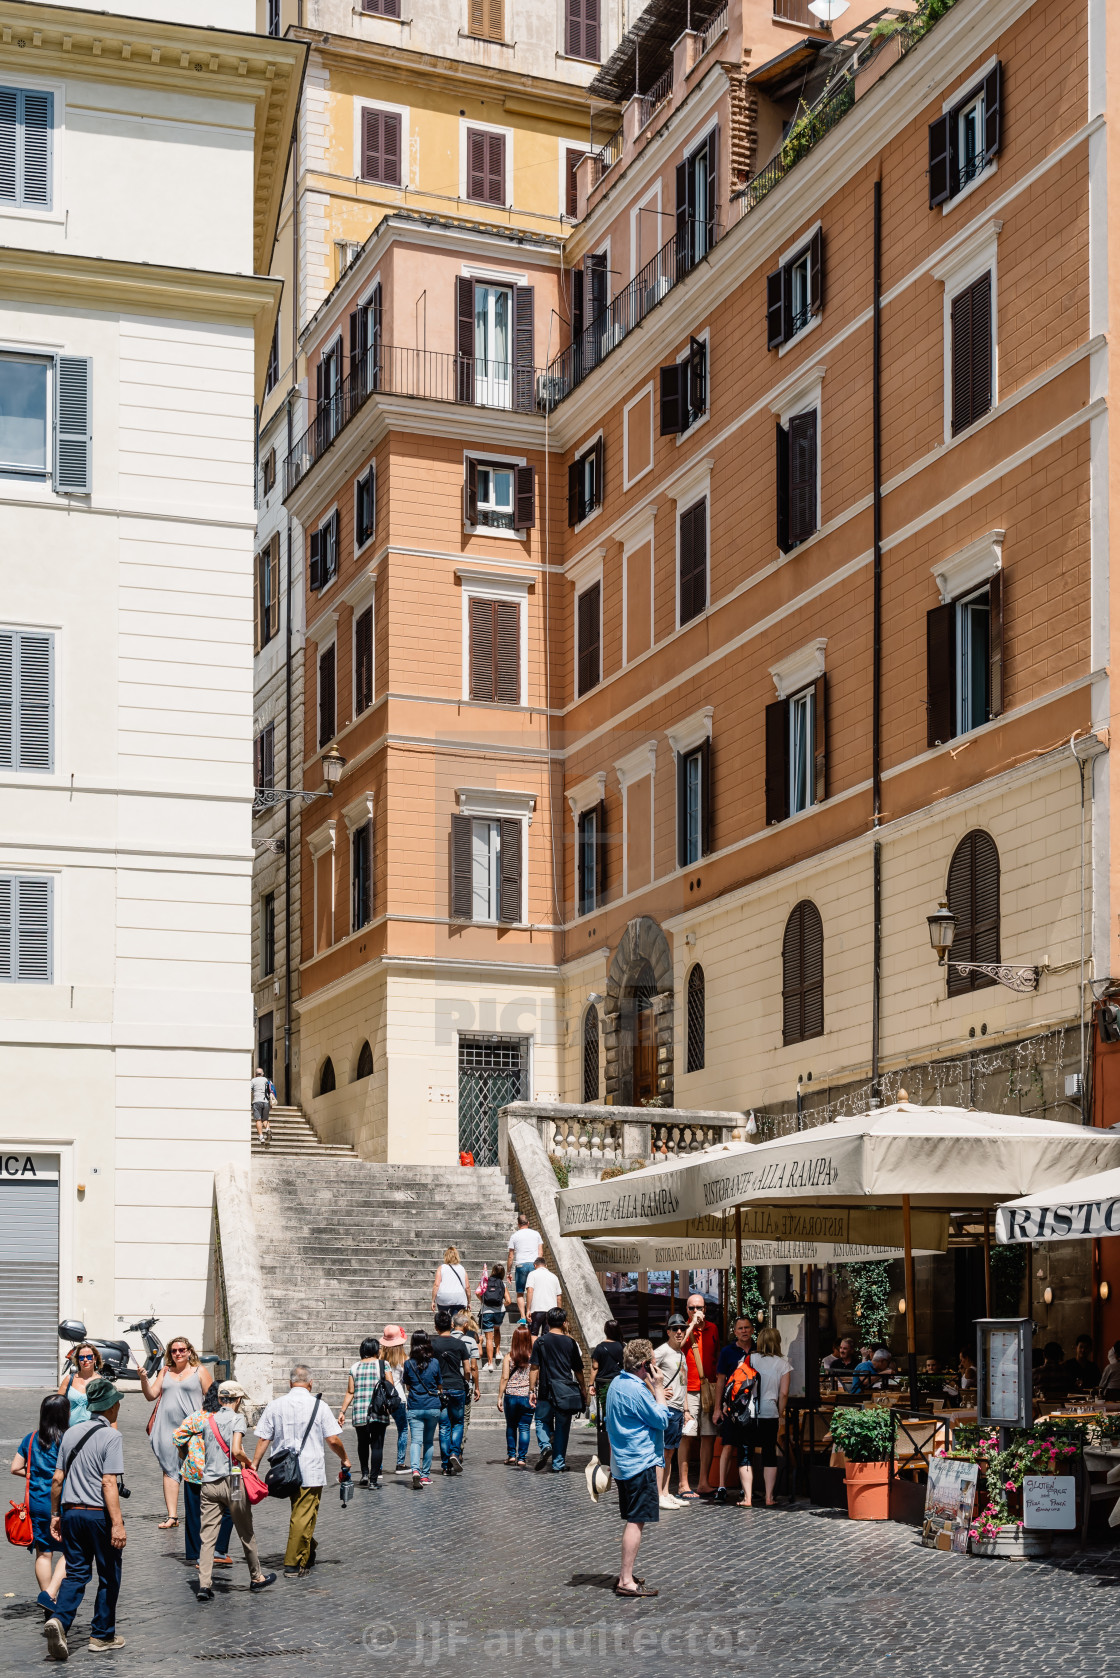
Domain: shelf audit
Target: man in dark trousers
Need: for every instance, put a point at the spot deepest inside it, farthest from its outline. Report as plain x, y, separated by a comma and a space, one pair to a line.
86, 1519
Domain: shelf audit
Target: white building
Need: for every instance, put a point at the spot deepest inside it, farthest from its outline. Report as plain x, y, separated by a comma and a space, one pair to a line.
141, 169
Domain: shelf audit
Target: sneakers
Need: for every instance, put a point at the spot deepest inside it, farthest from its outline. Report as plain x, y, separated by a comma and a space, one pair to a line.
403, 1468
364, 1481
204, 1594
56, 1640
293, 1572
668, 1501
454, 1466
98, 1645
417, 1479
543, 1460
425, 1479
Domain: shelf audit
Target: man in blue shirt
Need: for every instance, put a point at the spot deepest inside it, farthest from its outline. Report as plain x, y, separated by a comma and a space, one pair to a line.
636, 1418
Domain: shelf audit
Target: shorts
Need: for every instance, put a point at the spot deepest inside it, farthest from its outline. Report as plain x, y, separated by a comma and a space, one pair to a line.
492, 1318
760, 1435
261, 1111
673, 1429
536, 1323
638, 1497
520, 1277
697, 1421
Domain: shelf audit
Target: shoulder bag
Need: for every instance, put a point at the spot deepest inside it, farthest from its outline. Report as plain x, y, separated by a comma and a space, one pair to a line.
17, 1522
285, 1477
253, 1486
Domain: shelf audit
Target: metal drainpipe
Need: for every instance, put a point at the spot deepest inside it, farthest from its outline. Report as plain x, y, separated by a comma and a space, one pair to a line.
288, 647
876, 636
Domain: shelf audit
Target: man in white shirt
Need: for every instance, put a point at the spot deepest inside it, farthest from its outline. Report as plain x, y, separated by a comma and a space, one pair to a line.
284, 1424
672, 1371
525, 1248
542, 1294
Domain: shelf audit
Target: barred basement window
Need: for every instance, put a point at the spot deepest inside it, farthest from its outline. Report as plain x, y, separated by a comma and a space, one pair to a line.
365, 1062
973, 893
695, 1061
591, 1055
803, 975
326, 1077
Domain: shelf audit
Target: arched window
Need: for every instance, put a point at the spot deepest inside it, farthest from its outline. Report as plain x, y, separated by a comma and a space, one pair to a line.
326, 1077
695, 1060
973, 893
591, 1054
803, 974
365, 1062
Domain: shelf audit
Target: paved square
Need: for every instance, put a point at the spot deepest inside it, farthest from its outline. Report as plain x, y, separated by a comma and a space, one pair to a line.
501, 1572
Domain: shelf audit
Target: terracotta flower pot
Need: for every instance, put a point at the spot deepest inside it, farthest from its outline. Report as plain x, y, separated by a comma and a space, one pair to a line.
868, 1487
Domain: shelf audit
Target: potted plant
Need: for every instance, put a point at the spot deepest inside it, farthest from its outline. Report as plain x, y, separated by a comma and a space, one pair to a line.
866, 1438
1047, 1449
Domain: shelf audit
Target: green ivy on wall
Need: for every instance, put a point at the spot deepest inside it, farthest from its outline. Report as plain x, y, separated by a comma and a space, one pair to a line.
750, 1302
1009, 1266
869, 1285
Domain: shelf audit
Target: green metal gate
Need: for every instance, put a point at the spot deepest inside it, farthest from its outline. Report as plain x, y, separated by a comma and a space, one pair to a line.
493, 1071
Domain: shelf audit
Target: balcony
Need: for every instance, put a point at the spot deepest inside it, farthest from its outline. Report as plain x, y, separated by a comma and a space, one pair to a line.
797, 11
428, 375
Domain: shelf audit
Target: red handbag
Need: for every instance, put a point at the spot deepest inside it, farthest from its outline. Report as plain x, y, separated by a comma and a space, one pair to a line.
253, 1486
17, 1522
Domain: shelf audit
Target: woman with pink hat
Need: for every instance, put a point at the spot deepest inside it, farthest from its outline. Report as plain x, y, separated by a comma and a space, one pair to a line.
372, 1393
394, 1351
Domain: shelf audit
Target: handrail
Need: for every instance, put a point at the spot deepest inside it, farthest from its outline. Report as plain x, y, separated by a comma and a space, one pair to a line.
655, 97
802, 137
713, 32
609, 153
434, 375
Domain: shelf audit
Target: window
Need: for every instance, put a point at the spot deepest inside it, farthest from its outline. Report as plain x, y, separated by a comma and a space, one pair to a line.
794, 293
268, 473
970, 330
264, 758
502, 497
494, 343
697, 187
265, 1042
326, 1077
964, 141
26, 701
494, 628
365, 1062
26, 906
363, 661
797, 480
571, 187
695, 1046
582, 32
591, 1054
803, 975
268, 934
973, 894
274, 17
272, 371
266, 590
382, 8
591, 858
328, 396
693, 562
585, 483
486, 869
964, 662
365, 508
29, 385
366, 354
589, 611
796, 752
381, 146
322, 554
694, 798
326, 696
486, 166
684, 389
26, 132
361, 876
484, 19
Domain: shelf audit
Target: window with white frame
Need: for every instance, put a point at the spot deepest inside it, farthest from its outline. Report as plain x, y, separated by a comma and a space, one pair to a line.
500, 495
361, 876
796, 734
965, 139
26, 701
486, 868
322, 553
363, 659
365, 507
26, 136
794, 292
44, 399
26, 930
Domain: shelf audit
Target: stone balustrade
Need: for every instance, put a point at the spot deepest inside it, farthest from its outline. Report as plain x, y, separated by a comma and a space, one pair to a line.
595, 1137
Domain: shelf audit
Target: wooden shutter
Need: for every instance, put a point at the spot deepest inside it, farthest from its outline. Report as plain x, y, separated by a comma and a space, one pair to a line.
481, 641
274, 585
802, 476
390, 148
792, 985
671, 404
697, 377
32, 929
7, 928
960, 329
462, 869
816, 273
820, 740
992, 114
599, 491
595, 267
574, 17
577, 305
9, 677
374, 333
257, 571
464, 336
363, 660
326, 696
507, 652
682, 810
601, 872
524, 497
509, 895
777, 761
334, 527
495, 192
973, 893
471, 492
314, 564
9, 147
571, 202
476, 164
782, 435
708, 209
995, 645
693, 561
574, 476
812, 972
981, 347
38, 121
705, 797
587, 632
683, 241
775, 318
941, 637
27, 702
73, 466
475, 24
523, 393
591, 47
371, 145
939, 182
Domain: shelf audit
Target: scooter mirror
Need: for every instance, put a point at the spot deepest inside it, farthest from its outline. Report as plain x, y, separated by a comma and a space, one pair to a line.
71, 1329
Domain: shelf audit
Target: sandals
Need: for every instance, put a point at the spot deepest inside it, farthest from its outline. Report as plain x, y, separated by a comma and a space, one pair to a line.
642, 1589
171, 1521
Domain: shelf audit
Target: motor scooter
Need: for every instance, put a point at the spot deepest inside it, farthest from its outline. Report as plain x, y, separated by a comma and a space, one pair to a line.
117, 1359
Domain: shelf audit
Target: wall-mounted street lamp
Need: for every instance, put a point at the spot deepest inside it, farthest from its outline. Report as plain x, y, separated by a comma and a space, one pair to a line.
942, 930
333, 762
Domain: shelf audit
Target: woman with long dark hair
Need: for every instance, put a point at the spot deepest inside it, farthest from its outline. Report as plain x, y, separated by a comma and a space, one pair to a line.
513, 1397
422, 1384
365, 1375
34, 1462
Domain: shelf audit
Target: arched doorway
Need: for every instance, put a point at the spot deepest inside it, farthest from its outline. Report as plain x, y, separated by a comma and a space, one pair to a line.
638, 1017
638, 1021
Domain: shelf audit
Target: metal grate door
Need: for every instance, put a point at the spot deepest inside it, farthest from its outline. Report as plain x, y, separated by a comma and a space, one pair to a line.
28, 1284
492, 1072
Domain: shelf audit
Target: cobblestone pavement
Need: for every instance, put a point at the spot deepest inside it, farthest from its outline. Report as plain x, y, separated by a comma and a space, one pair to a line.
501, 1571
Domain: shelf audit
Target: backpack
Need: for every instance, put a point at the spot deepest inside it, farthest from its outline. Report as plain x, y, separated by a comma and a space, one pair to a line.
495, 1295
742, 1394
381, 1399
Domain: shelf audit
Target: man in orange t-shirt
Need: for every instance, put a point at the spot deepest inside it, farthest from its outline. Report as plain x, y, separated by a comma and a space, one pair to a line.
701, 1353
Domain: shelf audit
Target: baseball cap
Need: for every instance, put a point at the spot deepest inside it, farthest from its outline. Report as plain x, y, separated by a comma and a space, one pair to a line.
677, 1321
232, 1389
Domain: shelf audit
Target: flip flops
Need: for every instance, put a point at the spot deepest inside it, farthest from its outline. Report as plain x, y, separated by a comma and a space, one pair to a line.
641, 1590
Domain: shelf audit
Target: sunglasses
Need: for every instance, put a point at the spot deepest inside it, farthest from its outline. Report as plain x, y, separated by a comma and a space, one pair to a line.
184, 1350
84, 1357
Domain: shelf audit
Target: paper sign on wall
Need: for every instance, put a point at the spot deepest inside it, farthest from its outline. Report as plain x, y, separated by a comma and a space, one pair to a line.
1049, 1502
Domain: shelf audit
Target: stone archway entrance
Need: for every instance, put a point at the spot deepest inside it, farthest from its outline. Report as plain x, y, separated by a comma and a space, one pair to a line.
638, 1017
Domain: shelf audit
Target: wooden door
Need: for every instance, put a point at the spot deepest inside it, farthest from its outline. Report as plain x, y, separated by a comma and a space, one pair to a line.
645, 1049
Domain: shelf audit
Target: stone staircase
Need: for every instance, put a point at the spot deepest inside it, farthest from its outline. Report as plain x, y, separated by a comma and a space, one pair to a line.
292, 1135
347, 1246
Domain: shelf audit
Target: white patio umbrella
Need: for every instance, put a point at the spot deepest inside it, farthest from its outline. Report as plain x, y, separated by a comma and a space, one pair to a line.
1077, 1211
651, 1252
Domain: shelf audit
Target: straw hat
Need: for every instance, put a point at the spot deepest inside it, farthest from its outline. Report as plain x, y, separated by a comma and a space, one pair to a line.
598, 1479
